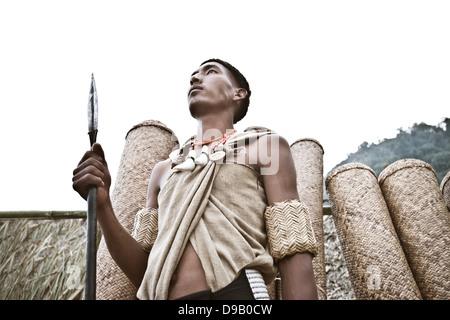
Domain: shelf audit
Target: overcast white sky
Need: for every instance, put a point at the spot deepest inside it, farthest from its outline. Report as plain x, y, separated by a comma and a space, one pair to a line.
342, 72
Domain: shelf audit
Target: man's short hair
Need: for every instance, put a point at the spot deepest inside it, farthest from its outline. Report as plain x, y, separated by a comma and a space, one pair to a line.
242, 83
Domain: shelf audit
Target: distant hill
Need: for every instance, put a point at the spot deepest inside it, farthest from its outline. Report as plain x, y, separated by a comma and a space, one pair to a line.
422, 141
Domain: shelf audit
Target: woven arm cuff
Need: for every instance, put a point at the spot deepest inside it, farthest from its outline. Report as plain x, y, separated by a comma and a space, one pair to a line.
145, 227
289, 229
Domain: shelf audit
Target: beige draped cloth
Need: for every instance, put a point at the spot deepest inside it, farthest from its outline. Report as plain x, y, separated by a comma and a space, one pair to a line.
219, 208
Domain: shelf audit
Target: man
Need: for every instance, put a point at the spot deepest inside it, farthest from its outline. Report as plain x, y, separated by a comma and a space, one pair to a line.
203, 233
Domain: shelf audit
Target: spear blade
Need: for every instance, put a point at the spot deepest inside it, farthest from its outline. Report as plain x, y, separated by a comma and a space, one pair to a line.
93, 112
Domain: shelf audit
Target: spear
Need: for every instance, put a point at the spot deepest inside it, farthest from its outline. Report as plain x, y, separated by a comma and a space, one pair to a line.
91, 243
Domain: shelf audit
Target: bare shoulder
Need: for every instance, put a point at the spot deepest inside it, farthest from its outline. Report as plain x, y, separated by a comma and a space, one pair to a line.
275, 141
162, 167
273, 151
277, 168
159, 174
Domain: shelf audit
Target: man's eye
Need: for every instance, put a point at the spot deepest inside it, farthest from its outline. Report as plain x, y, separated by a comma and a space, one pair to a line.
211, 71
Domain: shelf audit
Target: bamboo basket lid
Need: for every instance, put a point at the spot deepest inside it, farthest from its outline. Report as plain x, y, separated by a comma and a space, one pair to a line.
153, 123
401, 165
312, 140
422, 222
377, 266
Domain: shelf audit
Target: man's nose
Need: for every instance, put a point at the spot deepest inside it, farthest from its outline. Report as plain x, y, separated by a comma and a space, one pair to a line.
195, 78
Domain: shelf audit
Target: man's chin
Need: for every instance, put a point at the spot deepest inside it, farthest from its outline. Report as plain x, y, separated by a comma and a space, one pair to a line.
196, 108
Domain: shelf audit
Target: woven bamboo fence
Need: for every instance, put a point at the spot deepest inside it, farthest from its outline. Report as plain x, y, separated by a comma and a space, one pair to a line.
308, 159
422, 222
147, 143
376, 263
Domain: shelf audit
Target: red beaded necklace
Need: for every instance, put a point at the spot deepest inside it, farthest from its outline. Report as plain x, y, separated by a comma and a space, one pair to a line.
220, 140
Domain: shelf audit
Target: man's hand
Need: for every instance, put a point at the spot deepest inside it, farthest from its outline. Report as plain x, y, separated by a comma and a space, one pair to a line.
93, 170
124, 249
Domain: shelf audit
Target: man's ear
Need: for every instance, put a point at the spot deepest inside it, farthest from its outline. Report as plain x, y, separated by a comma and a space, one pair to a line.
240, 94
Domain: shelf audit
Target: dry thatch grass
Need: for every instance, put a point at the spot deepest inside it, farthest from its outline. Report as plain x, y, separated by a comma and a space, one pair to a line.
339, 286
44, 259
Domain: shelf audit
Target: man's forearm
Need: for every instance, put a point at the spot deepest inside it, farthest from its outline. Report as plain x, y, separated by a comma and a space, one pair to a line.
297, 277
124, 249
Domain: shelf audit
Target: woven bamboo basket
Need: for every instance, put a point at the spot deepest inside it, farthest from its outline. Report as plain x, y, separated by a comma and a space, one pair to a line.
445, 188
376, 263
146, 144
422, 222
308, 160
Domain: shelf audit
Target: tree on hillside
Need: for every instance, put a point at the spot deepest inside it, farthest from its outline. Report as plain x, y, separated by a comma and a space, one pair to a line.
422, 141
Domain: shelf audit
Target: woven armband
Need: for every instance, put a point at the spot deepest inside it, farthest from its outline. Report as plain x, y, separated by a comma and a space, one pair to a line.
289, 229
145, 227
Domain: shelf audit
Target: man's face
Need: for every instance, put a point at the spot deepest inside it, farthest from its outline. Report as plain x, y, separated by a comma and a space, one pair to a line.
212, 87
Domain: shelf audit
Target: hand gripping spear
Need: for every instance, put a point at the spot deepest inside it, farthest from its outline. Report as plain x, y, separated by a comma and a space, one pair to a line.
91, 243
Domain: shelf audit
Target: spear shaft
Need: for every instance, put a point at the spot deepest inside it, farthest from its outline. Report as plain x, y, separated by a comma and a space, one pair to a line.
91, 241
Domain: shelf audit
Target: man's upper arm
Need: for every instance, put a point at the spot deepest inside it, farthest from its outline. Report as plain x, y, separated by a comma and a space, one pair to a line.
277, 168
296, 270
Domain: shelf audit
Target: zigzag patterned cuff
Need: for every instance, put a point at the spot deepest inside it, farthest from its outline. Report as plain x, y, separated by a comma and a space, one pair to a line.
145, 227
289, 229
